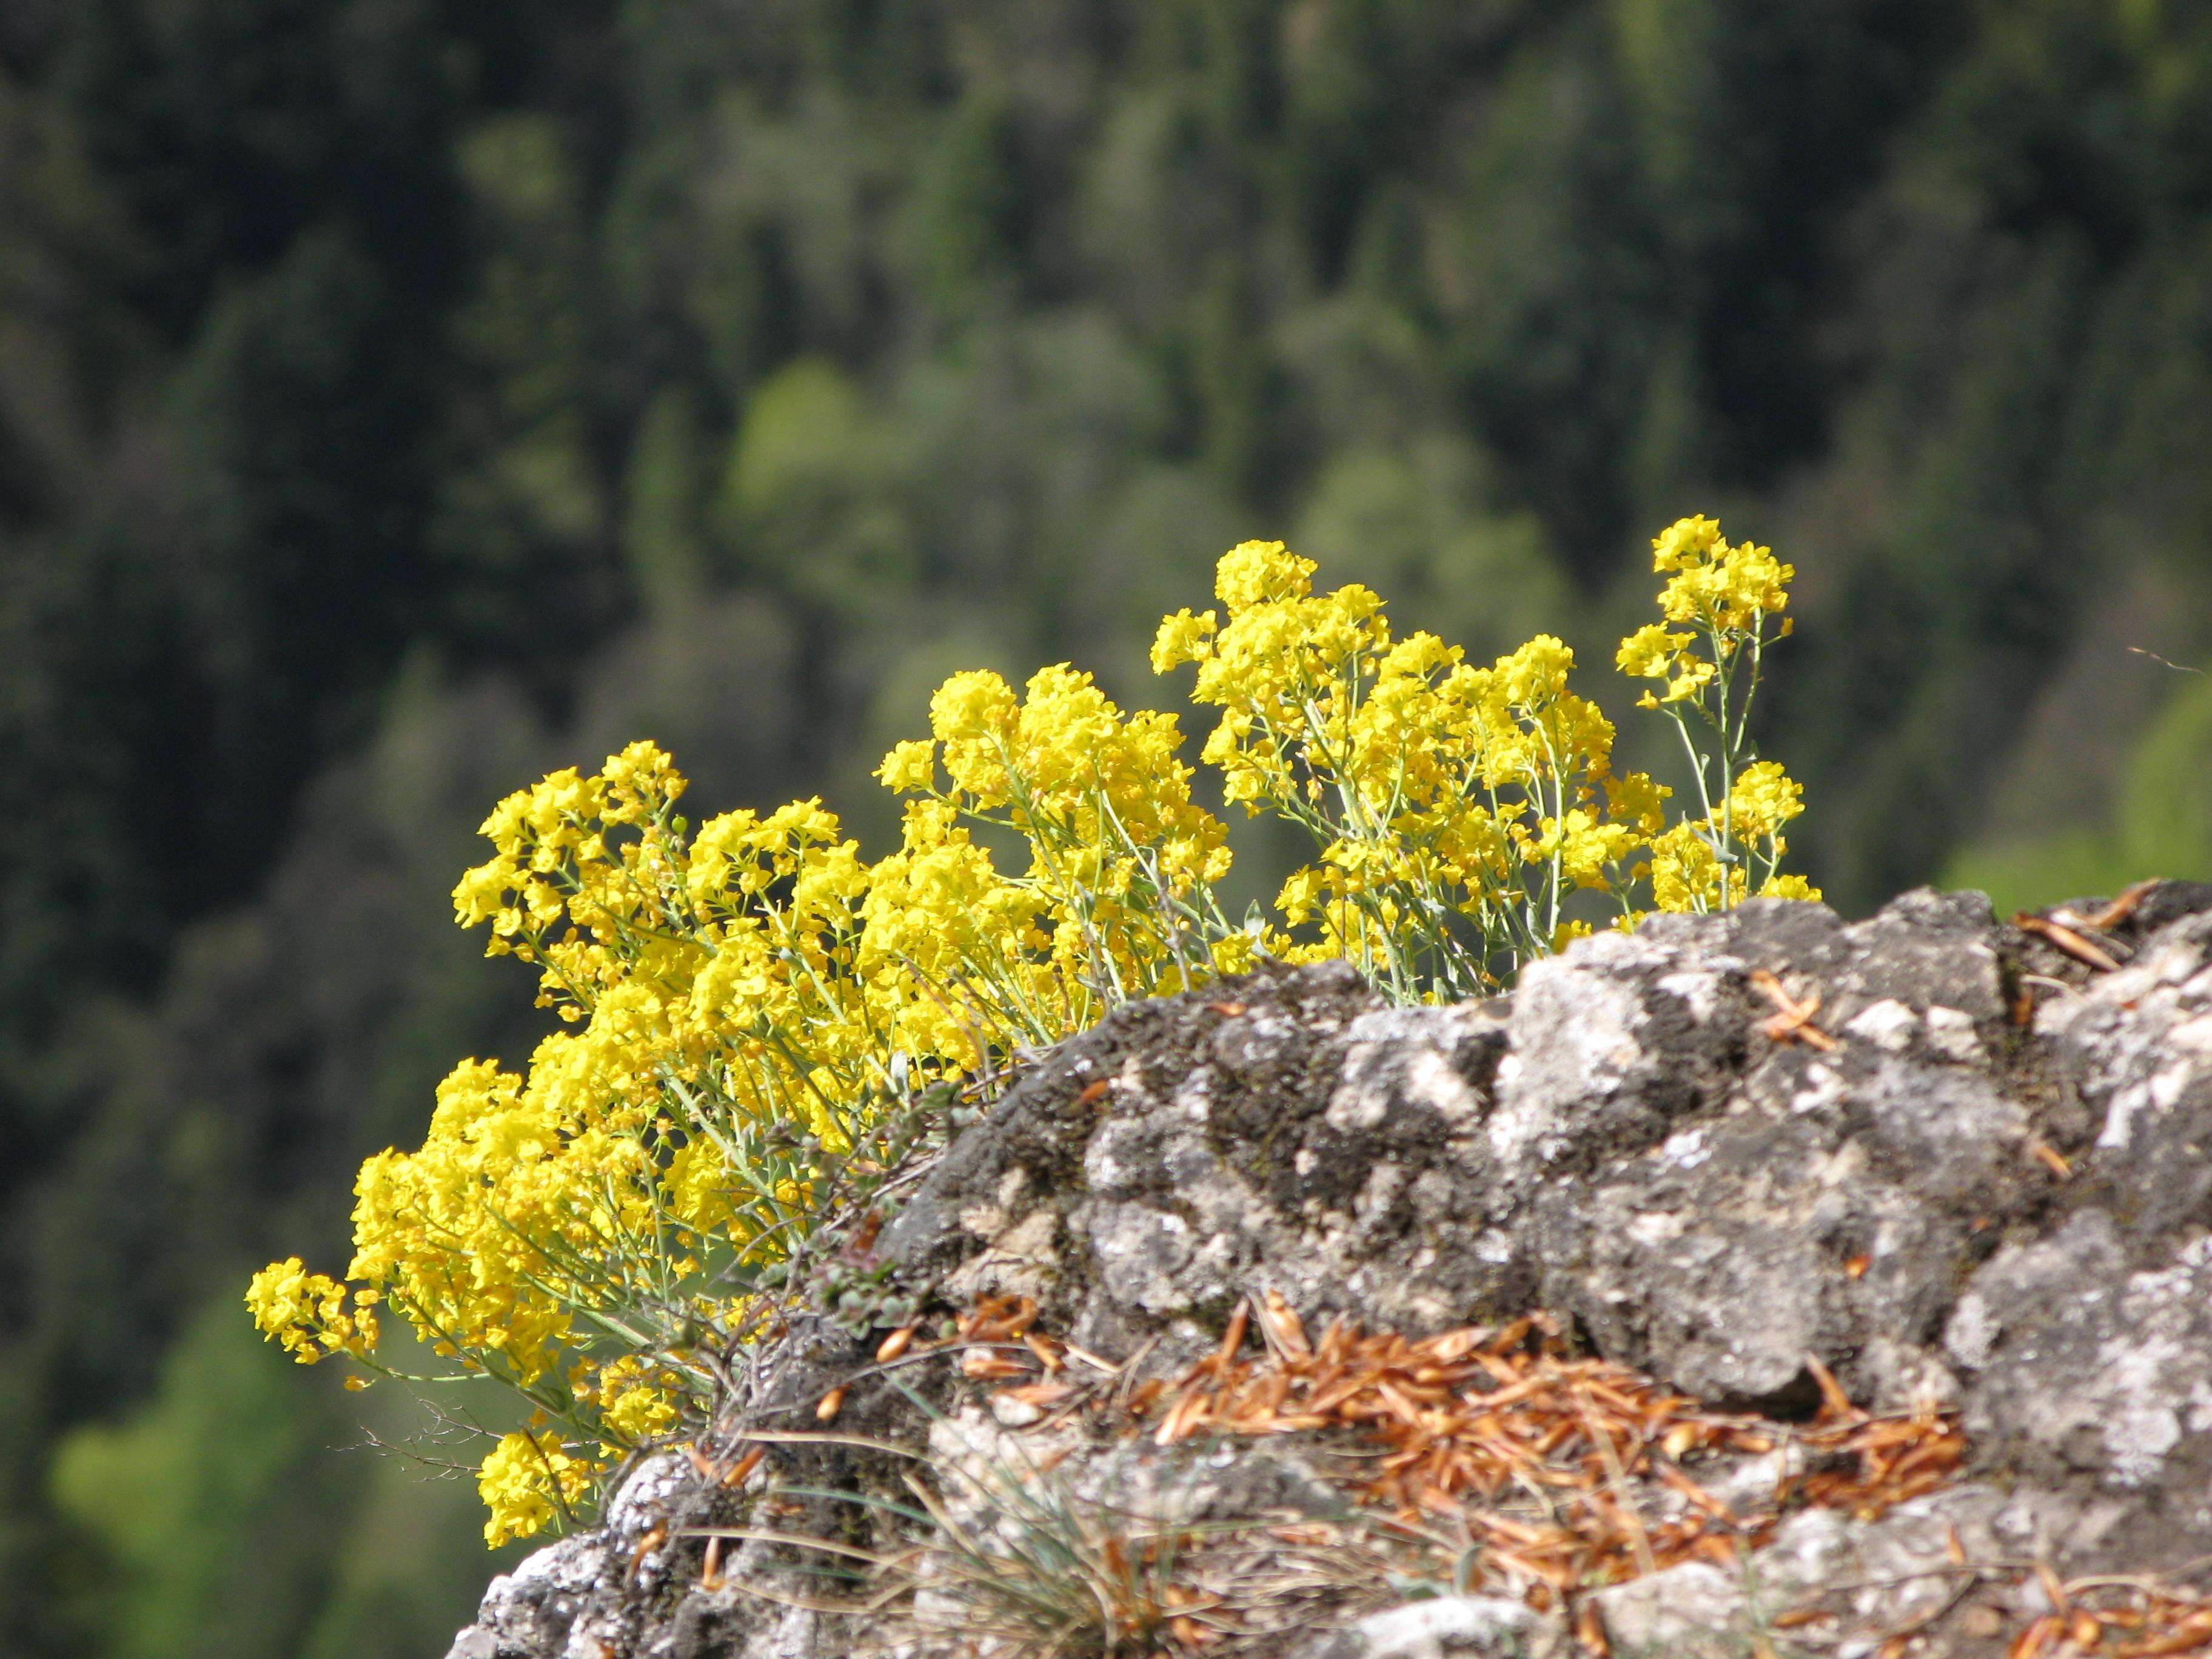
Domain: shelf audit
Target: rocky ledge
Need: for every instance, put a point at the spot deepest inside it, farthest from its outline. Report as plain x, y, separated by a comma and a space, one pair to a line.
1756, 1284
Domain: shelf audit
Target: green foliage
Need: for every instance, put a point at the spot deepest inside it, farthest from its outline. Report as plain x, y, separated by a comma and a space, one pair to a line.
810, 499
230, 1534
2161, 820
174, 1495
2166, 809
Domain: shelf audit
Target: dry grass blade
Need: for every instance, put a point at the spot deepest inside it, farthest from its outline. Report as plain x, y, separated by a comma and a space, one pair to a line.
789, 1540
2065, 940
824, 1438
2118, 911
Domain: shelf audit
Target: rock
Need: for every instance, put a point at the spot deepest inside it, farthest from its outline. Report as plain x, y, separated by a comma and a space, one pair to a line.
1447, 1627
1980, 1182
530, 1611
2139, 1051
2086, 1367
1693, 1611
1879, 1574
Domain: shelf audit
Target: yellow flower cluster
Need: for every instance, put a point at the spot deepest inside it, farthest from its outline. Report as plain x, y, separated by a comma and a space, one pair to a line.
739, 1001
564, 1230
307, 1313
1115, 900
528, 1482
1721, 598
1448, 802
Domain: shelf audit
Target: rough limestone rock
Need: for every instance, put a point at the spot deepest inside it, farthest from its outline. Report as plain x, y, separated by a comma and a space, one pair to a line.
1979, 1183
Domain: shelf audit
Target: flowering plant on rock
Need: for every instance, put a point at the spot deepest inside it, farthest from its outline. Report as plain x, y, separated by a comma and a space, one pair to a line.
745, 1003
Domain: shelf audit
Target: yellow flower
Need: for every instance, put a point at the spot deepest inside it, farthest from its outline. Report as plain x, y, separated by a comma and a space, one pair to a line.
973, 716
1686, 873
1714, 585
910, 767
1639, 799
1300, 895
1536, 673
1763, 799
635, 1402
1685, 543
527, 1481
1649, 652
638, 783
972, 705
1694, 678
1182, 638
307, 1312
1261, 573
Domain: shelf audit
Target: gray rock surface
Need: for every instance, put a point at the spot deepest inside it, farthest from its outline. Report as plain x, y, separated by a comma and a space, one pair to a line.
1443, 1627
1982, 1184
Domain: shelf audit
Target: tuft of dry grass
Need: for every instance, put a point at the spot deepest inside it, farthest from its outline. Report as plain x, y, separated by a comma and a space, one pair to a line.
1031, 1571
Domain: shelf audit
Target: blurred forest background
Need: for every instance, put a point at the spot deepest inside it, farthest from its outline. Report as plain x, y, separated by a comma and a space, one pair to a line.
398, 397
